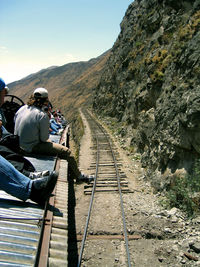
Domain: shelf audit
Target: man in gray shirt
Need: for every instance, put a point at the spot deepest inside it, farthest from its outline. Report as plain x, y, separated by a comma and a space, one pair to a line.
32, 127
32, 124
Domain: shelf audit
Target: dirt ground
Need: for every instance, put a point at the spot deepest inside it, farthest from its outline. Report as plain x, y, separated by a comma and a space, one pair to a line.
158, 237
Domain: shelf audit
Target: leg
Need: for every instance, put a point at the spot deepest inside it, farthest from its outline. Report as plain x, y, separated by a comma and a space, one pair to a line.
53, 127
13, 182
53, 149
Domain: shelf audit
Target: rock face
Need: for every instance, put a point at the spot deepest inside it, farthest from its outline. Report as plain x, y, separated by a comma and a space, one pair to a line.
151, 84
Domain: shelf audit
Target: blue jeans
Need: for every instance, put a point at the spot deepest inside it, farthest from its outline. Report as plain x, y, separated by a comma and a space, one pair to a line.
53, 128
14, 182
57, 125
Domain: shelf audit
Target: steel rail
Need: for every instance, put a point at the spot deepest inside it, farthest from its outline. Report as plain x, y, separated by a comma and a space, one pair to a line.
119, 189
122, 208
120, 193
90, 209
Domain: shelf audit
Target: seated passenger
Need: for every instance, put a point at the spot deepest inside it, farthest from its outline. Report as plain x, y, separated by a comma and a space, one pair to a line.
32, 127
18, 185
55, 119
53, 130
54, 126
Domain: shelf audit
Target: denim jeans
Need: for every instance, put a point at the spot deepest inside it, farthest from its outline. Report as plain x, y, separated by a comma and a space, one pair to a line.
14, 182
53, 122
53, 128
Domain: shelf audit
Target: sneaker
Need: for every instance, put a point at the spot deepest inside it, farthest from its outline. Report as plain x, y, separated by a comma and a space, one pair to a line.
85, 178
34, 175
60, 131
43, 187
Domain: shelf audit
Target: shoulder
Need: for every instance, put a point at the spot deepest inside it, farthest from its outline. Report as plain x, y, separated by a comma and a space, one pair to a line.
22, 109
41, 113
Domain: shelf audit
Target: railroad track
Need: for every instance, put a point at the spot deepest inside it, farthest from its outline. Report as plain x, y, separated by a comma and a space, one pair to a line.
107, 163
109, 184
55, 239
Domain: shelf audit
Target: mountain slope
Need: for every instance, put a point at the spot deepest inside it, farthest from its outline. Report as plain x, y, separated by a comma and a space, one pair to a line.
150, 85
70, 86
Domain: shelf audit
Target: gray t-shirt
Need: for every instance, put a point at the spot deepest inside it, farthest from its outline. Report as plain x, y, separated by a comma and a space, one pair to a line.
32, 126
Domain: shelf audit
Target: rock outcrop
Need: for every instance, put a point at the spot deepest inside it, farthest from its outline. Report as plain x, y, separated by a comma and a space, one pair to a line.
151, 85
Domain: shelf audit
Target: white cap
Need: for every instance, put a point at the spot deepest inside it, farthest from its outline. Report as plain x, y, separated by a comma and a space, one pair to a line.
7, 89
40, 93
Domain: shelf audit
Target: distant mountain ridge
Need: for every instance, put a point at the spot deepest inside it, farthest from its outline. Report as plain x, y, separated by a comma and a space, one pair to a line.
35, 73
70, 86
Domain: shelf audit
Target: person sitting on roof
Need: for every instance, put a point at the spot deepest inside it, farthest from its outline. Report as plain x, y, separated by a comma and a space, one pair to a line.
32, 127
48, 110
22, 187
55, 128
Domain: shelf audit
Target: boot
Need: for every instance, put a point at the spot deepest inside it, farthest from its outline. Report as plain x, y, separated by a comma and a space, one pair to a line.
43, 187
85, 178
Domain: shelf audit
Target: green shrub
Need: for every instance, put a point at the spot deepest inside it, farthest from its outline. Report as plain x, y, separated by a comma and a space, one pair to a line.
181, 193
179, 197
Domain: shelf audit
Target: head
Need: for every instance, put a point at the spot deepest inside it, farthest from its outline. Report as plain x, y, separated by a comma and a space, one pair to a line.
39, 98
3, 91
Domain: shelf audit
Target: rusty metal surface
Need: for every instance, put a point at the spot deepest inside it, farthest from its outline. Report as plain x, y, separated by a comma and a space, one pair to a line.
54, 250
58, 249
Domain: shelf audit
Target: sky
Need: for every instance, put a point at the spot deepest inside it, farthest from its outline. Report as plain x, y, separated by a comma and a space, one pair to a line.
37, 34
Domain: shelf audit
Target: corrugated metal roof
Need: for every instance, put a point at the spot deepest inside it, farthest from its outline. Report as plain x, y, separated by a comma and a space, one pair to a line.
20, 221
19, 231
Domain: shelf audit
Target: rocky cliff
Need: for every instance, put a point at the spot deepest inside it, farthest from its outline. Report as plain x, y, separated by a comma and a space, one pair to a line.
151, 85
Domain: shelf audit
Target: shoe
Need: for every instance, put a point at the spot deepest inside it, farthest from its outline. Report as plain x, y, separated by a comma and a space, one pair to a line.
85, 178
34, 175
43, 187
60, 131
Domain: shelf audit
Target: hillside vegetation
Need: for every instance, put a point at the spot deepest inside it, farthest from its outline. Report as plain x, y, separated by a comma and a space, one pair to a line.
150, 87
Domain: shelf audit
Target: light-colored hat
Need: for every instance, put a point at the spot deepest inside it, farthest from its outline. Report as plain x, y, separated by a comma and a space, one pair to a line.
7, 89
40, 93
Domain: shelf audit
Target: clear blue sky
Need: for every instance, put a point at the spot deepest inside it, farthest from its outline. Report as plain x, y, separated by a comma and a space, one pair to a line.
36, 34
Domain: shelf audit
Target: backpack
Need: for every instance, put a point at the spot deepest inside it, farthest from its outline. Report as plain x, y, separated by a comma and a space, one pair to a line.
22, 164
11, 141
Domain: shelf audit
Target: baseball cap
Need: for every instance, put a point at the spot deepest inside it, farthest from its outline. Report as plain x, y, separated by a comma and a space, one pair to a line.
40, 93
7, 89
